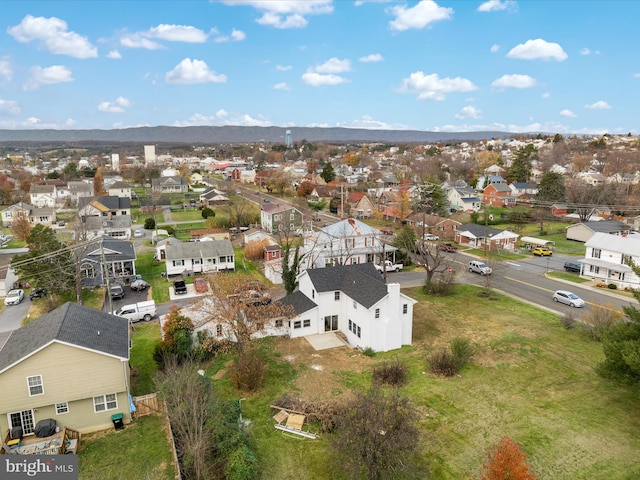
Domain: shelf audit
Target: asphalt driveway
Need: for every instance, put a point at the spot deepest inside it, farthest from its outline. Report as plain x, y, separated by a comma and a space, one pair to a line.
11, 316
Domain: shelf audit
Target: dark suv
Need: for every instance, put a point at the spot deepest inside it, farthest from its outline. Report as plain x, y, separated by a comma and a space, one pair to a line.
116, 291
572, 267
37, 293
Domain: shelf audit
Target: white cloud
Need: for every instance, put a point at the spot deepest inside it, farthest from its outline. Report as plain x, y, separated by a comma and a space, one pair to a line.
567, 113
222, 117
176, 33
600, 105
538, 48
316, 79
53, 36
469, 112
115, 54
9, 107
281, 86
373, 57
585, 51
283, 68
497, 5
6, 69
514, 81
636, 75
432, 87
546, 95
238, 35
118, 106
494, 48
135, 40
193, 71
334, 65
286, 13
47, 76
420, 16
366, 121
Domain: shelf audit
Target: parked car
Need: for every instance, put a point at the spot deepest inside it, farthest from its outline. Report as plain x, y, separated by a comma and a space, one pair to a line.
37, 293
139, 285
542, 252
116, 291
201, 285
475, 266
448, 247
14, 297
568, 298
61, 223
572, 267
387, 231
179, 287
138, 234
431, 237
137, 311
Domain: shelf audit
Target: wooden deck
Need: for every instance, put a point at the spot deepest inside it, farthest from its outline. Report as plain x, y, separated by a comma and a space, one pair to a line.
59, 443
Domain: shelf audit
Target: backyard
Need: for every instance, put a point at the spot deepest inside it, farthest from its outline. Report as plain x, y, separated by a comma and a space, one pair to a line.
530, 379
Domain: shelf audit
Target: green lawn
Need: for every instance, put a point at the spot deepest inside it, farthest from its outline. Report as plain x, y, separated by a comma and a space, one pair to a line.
144, 338
189, 215
530, 379
152, 272
139, 451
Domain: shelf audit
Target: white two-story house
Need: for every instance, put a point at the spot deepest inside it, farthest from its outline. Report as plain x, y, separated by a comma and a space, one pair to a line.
354, 300
607, 258
347, 242
43, 195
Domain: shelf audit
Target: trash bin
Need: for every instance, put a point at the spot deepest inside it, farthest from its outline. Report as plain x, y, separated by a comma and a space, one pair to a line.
117, 421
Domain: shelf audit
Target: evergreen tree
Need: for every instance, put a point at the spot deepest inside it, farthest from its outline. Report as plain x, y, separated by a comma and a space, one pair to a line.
551, 187
328, 173
520, 170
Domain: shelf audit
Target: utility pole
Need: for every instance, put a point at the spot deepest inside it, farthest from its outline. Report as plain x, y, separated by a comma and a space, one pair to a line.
105, 271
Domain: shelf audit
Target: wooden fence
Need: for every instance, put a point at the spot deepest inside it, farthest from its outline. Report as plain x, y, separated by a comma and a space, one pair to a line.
148, 405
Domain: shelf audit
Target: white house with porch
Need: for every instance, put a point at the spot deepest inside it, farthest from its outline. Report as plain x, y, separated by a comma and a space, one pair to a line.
348, 242
607, 259
203, 256
353, 300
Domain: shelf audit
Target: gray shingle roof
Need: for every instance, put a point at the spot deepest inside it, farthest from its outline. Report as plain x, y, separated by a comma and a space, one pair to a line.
112, 202
479, 231
214, 248
299, 301
73, 324
607, 226
361, 282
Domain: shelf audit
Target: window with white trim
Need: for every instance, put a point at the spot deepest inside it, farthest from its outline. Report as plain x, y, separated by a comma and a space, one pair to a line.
405, 308
105, 402
62, 408
297, 324
336, 295
377, 313
35, 385
178, 263
306, 323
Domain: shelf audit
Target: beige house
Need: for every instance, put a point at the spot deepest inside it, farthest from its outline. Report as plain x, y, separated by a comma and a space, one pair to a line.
45, 215
71, 365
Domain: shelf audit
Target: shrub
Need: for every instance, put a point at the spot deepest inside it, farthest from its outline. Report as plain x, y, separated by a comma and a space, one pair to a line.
369, 352
442, 362
394, 374
241, 464
612, 286
255, 250
170, 229
506, 461
149, 223
599, 319
568, 321
462, 351
249, 371
207, 212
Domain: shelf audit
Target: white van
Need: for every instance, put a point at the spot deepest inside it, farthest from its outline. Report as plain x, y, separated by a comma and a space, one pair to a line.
476, 266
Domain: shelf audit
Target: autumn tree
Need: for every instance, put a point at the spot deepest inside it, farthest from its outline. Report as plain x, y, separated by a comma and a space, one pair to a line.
585, 197
98, 184
378, 437
20, 226
304, 189
506, 461
351, 159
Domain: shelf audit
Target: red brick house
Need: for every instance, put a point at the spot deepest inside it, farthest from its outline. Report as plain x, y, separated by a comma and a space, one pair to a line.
498, 195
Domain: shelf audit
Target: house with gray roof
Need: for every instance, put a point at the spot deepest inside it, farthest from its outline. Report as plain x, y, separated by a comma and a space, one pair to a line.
609, 258
108, 256
203, 256
106, 215
583, 231
43, 195
35, 215
485, 237
353, 300
280, 217
346, 242
71, 365
171, 184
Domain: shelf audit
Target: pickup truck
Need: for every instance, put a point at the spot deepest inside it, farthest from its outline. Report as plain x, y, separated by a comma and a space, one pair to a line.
448, 247
179, 287
137, 311
389, 267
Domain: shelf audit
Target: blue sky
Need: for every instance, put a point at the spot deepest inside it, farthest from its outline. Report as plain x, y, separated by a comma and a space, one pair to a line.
518, 66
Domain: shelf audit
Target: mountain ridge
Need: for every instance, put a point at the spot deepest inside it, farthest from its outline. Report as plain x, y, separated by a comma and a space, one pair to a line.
241, 134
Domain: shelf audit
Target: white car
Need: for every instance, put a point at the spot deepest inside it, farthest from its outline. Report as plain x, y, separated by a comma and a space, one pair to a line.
14, 297
568, 298
138, 234
431, 237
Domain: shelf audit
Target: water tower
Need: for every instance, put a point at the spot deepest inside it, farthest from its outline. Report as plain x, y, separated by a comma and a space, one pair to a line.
287, 139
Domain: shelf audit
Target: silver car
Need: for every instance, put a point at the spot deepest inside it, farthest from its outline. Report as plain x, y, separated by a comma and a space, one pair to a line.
568, 298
